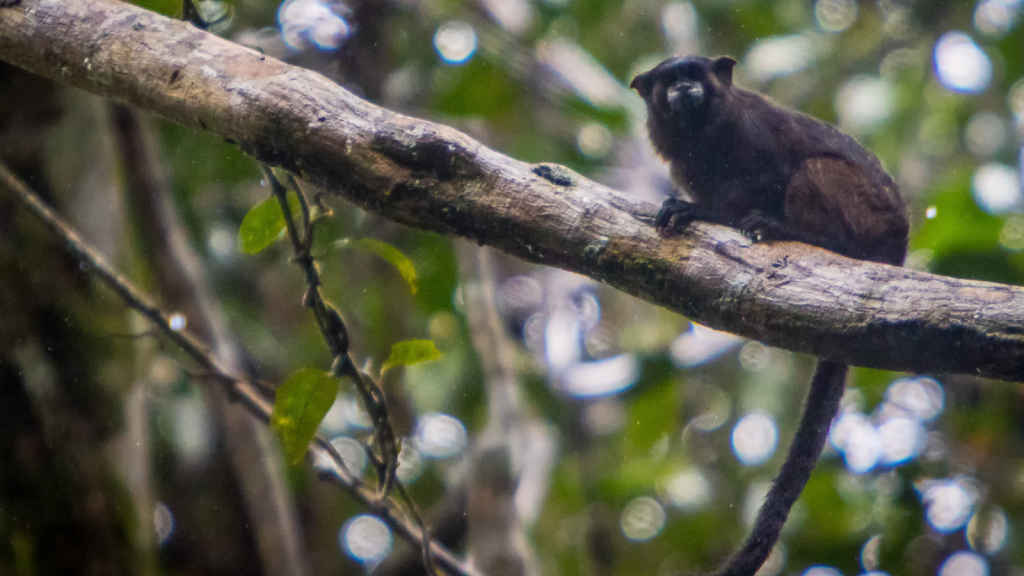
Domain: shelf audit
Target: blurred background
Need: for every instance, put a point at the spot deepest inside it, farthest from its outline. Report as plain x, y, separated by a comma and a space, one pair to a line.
620, 438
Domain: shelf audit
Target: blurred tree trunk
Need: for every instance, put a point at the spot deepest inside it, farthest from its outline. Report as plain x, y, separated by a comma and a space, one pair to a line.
64, 507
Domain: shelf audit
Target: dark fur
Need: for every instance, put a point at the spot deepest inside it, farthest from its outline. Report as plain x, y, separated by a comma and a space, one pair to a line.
744, 160
775, 174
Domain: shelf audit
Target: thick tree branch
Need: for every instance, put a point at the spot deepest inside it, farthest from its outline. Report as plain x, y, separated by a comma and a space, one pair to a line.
430, 176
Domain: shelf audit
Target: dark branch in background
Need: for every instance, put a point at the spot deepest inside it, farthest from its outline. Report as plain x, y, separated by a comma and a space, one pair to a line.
183, 286
335, 334
238, 390
430, 176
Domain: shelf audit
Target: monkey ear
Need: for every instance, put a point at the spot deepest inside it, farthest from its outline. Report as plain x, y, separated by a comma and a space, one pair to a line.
723, 69
639, 83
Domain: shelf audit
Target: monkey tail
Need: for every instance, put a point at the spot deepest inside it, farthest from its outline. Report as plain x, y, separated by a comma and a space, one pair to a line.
822, 406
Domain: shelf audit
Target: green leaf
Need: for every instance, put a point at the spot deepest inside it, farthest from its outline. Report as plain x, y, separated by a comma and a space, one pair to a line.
264, 223
171, 8
411, 352
299, 406
391, 254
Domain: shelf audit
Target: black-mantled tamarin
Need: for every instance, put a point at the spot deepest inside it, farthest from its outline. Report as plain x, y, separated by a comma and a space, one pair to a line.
775, 174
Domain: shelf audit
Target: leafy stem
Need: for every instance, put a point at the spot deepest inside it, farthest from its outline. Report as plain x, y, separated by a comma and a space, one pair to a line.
335, 334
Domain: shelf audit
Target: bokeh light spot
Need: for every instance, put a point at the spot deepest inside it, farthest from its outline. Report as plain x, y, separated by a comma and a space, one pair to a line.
410, 463
308, 23
996, 17
222, 243
579, 71
754, 439
961, 65
996, 188
594, 141
455, 41
775, 562
163, 521
835, 15
755, 356
869, 553
681, 25
753, 499
947, 505
921, 397
562, 346
1015, 99
440, 436
366, 539
689, 490
822, 571
177, 321
516, 16
520, 296
863, 103
987, 530
986, 134
601, 377
779, 56
352, 453
701, 344
604, 416
964, 564
715, 408
901, 62
194, 435
642, 519
1011, 236
901, 439
855, 436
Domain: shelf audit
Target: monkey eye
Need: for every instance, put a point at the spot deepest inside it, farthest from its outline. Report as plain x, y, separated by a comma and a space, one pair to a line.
686, 71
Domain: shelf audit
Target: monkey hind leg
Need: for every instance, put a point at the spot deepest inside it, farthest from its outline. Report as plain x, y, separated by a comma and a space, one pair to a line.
822, 406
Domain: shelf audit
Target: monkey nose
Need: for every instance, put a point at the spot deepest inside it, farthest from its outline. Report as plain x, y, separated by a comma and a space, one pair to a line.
685, 95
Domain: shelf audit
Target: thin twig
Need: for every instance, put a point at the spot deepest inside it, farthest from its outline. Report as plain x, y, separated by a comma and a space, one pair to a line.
236, 389
413, 510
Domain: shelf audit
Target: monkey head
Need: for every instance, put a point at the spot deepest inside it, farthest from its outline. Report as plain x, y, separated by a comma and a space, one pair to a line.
681, 88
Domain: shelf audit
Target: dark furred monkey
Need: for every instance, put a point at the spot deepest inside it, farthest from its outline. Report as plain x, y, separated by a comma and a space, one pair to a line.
775, 174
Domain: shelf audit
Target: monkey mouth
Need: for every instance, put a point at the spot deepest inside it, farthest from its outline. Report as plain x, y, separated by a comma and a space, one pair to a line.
683, 96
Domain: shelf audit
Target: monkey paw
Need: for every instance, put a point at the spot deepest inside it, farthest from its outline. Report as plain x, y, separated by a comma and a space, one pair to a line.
674, 215
759, 227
